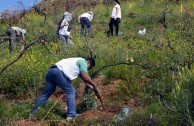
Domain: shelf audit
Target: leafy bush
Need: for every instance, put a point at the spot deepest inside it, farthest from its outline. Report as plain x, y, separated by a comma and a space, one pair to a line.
157, 55
51, 111
2, 112
86, 103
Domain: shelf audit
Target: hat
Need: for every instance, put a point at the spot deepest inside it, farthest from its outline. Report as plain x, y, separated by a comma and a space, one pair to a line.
92, 61
66, 13
90, 12
67, 16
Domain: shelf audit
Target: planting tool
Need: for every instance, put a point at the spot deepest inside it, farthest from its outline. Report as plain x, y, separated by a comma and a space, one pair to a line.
99, 97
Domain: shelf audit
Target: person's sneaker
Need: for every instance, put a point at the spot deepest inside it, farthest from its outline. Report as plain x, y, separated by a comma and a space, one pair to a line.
30, 116
69, 118
77, 115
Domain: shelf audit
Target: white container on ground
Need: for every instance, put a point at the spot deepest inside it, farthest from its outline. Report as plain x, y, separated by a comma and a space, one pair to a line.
123, 114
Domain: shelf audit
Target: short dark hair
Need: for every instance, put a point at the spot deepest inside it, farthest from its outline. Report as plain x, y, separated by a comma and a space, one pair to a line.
117, 1
92, 61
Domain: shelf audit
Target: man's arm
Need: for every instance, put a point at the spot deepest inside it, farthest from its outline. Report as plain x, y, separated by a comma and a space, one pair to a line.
78, 19
63, 23
24, 40
88, 81
86, 78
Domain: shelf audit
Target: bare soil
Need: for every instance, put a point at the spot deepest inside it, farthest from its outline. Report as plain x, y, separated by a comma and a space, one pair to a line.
108, 95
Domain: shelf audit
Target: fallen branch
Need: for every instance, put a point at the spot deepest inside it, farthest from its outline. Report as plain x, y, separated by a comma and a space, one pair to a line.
20, 55
43, 41
164, 103
120, 63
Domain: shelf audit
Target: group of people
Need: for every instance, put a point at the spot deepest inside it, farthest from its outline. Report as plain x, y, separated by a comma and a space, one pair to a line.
64, 27
64, 71
61, 73
85, 21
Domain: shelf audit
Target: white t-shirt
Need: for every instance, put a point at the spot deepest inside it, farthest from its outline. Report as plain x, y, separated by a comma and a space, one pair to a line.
72, 67
19, 30
87, 15
63, 30
113, 15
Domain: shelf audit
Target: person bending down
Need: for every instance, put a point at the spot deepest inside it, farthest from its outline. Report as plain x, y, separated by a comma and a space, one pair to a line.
61, 74
16, 34
85, 20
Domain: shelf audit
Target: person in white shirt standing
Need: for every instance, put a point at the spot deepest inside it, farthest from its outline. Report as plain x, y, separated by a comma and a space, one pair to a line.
85, 20
16, 34
115, 17
64, 29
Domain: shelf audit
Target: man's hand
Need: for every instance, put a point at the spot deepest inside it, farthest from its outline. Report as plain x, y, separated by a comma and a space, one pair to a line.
95, 89
70, 37
78, 19
97, 93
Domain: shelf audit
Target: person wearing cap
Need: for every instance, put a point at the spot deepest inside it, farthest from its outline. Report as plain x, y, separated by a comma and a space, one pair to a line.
61, 74
85, 20
16, 34
64, 29
115, 17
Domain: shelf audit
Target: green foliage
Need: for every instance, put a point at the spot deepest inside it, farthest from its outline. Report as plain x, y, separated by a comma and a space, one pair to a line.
130, 76
18, 111
22, 77
157, 55
182, 94
13, 111
51, 111
2, 112
87, 102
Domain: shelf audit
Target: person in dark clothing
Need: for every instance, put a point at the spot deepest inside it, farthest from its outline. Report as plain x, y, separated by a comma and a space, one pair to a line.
16, 34
115, 17
85, 20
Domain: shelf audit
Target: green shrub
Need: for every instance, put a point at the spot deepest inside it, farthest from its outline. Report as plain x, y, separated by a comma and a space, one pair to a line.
51, 111
2, 108
87, 102
155, 53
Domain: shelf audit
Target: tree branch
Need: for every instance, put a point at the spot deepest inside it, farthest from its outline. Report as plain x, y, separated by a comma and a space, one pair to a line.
120, 63
20, 55
164, 103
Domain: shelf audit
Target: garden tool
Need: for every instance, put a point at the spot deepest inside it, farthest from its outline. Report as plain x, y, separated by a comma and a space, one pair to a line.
99, 97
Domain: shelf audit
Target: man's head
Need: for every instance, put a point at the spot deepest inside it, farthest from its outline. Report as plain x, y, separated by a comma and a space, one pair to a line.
90, 12
90, 62
117, 1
